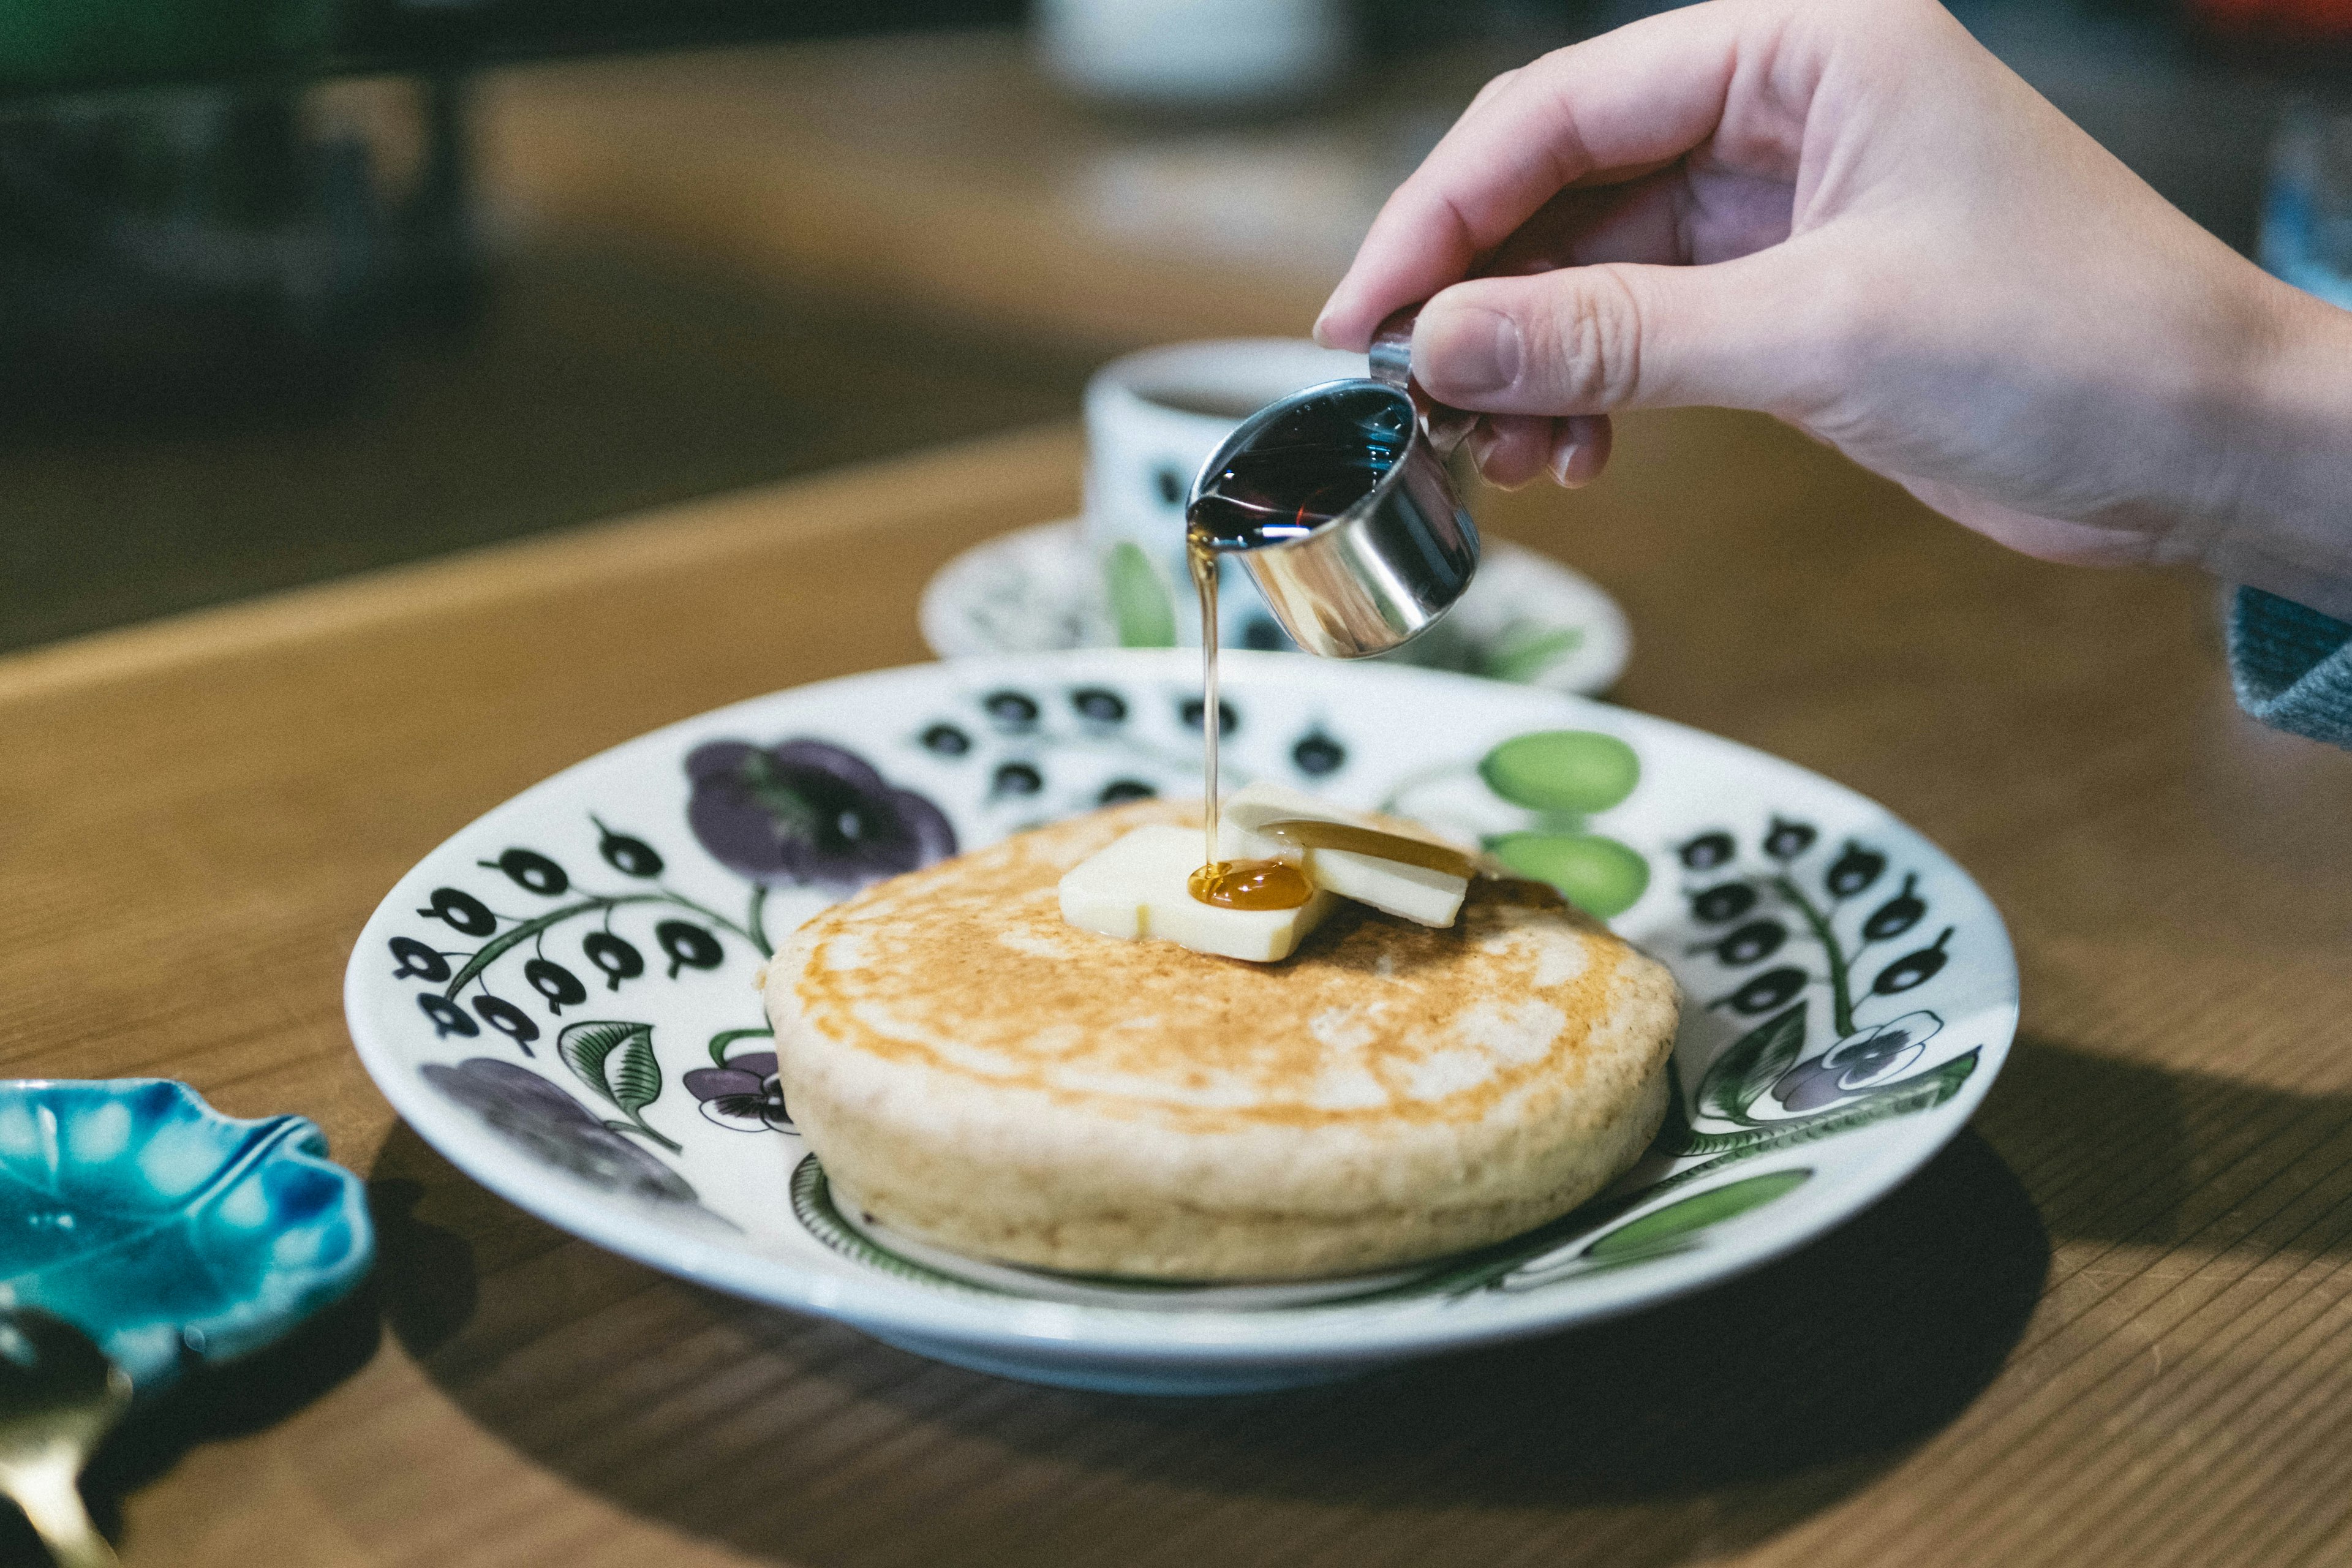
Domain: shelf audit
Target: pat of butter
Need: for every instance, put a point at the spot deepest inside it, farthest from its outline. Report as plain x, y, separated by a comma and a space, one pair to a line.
1138, 887
1416, 893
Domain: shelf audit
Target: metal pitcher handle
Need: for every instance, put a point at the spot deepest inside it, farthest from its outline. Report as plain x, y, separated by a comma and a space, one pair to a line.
1392, 361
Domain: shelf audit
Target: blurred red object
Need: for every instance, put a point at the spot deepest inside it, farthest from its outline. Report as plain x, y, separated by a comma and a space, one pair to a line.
2276, 21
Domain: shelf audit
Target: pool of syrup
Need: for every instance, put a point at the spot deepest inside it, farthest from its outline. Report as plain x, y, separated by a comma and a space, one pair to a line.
1251, 885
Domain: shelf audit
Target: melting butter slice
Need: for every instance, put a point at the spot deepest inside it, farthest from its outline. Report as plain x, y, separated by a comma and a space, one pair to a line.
1430, 894
1140, 887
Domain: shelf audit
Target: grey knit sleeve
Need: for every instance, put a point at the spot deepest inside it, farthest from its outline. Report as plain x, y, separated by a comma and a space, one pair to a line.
2293, 666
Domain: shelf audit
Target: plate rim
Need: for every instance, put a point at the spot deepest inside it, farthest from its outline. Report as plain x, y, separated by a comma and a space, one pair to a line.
1338, 1331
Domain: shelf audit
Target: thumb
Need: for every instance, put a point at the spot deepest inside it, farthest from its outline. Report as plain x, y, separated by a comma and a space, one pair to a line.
1592, 340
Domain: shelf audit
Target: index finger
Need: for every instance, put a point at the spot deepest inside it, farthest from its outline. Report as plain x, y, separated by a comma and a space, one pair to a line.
1629, 101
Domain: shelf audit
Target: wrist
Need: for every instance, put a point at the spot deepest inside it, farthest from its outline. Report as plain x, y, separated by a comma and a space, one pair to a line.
2286, 517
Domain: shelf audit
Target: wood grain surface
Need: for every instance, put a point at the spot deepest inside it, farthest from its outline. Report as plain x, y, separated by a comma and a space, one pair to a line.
947, 177
2111, 1324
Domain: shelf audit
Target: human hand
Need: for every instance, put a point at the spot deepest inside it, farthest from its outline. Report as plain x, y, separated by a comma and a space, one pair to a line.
1846, 213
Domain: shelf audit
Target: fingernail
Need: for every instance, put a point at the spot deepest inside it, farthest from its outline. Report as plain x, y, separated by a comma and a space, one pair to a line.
1482, 442
1471, 350
1319, 334
1561, 456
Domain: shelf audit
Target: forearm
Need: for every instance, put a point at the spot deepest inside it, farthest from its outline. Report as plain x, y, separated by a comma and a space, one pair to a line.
2287, 513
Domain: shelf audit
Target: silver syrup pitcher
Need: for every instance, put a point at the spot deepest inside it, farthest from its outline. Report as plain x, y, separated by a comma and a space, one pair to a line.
1379, 573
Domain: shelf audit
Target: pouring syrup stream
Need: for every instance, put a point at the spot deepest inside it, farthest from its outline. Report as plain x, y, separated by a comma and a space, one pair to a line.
1227, 884
1261, 497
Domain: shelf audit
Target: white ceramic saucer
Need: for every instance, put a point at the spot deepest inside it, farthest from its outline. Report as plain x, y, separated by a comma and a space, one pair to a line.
1526, 618
559, 998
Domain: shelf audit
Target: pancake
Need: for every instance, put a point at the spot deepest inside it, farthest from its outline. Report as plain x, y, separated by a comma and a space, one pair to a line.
978, 1075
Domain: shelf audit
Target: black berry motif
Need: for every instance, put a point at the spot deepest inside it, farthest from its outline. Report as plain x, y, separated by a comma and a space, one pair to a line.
1261, 634
1853, 871
531, 871
1013, 710
947, 741
1787, 840
418, 961
1708, 851
1171, 484
1913, 968
1897, 915
1752, 944
1767, 991
559, 985
1119, 790
1724, 902
462, 912
448, 1018
1227, 719
509, 1020
689, 946
1017, 778
617, 956
1098, 706
1318, 755
630, 856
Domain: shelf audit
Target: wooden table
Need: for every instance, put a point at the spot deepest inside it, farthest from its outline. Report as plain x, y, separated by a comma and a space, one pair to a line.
2112, 1324
945, 177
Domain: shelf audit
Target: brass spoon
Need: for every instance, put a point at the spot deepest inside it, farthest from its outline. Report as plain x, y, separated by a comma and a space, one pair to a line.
59, 1396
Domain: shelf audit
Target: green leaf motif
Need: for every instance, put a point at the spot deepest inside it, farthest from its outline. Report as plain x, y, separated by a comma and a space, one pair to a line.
1670, 1229
1741, 1075
635, 1076
615, 1058
1598, 874
1525, 651
1140, 606
584, 1047
725, 1038
1562, 771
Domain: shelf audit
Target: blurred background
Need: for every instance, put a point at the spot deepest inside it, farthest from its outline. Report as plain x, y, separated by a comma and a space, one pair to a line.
294, 288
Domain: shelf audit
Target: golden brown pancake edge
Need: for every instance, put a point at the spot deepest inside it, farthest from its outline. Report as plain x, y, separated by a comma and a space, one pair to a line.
978, 1075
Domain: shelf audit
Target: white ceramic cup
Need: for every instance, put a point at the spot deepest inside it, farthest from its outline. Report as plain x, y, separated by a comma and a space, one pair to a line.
1153, 419
1195, 55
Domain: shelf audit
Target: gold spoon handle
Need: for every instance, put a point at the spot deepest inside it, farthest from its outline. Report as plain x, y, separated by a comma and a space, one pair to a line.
52, 1502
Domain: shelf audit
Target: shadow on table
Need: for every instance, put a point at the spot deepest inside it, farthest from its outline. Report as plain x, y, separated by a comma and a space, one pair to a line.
1678, 1433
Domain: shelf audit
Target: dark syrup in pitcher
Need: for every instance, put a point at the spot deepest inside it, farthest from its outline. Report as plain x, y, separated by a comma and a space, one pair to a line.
1297, 475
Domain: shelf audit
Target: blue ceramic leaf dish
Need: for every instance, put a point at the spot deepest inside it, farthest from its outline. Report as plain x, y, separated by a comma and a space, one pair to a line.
166, 1230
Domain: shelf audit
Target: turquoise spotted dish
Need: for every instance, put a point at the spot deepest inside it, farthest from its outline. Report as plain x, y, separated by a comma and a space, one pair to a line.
168, 1232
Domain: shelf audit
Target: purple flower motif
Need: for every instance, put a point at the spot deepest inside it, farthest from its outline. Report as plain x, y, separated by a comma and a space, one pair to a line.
1859, 1061
744, 1094
807, 814
552, 1127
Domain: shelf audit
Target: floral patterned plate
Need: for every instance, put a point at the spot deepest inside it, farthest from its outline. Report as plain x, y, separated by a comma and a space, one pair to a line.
1524, 618
560, 997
